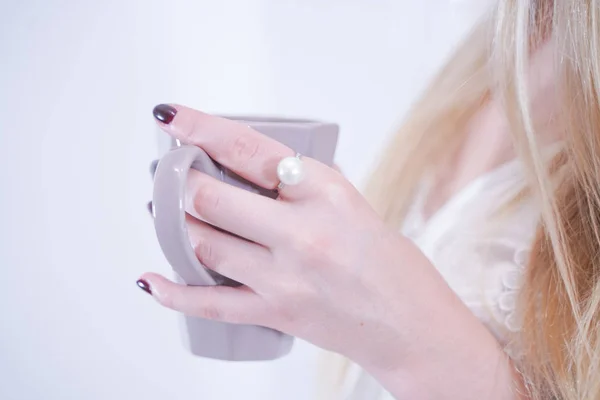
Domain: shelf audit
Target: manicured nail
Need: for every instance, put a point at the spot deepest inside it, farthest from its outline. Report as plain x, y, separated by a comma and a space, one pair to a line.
164, 113
149, 205
142, 284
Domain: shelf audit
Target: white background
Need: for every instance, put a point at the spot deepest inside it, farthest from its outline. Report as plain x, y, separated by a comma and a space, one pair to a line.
78, 80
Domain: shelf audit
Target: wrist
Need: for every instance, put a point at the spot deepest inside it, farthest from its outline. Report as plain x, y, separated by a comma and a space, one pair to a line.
447, 365
431, 346
440, 350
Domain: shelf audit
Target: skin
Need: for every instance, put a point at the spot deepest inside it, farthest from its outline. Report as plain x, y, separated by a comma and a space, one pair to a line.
488, 142
319, 264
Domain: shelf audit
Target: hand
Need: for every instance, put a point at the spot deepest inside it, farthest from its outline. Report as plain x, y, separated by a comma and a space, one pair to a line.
317, 263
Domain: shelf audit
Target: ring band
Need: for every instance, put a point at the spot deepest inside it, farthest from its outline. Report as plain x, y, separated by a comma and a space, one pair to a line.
290, 171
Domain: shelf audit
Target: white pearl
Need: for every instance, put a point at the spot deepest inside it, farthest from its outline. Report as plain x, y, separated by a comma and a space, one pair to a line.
290, 171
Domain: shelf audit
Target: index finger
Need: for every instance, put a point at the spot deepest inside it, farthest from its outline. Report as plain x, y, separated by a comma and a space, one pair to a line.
237, 146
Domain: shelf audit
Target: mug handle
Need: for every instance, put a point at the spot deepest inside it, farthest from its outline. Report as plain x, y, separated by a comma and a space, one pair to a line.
169, 214
203, 337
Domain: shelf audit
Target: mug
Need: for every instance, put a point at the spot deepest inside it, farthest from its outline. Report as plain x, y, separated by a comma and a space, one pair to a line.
209, 338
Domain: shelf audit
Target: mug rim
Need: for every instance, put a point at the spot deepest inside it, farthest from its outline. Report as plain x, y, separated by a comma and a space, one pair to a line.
272, 120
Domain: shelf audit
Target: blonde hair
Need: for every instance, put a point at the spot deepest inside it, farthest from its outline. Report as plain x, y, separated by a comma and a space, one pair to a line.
560, 300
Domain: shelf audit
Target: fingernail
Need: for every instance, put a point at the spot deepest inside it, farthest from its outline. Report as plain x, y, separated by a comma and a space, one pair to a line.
164, 113
142, 284
149, 205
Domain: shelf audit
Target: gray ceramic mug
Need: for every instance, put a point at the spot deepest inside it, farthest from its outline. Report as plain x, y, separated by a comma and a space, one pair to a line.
208, 338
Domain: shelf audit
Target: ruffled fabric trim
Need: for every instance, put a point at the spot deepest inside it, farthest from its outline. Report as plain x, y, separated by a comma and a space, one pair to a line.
512, 280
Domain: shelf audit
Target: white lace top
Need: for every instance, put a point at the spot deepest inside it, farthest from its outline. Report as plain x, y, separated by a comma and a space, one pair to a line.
482, 261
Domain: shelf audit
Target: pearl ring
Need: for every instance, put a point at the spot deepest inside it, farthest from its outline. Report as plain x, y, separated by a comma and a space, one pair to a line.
290, 171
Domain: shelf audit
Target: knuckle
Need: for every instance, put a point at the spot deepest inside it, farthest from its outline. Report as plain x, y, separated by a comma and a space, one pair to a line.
244, 149
233, 317
211, 309
207, 201
334, 193
283, 312
313, 248
298, 295
206, 254
292, 304
211, 312
191, 129
167, 300
285, 316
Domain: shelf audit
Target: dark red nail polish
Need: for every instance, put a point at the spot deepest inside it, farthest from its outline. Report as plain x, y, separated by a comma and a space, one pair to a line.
142, 284
164, 113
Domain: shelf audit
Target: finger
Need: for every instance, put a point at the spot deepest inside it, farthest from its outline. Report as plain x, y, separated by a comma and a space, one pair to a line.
246, 262
237, 146
249, 215
222, 303
320, 181
338, 169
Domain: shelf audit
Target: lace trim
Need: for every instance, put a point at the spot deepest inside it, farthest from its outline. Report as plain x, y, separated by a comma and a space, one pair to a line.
512, 282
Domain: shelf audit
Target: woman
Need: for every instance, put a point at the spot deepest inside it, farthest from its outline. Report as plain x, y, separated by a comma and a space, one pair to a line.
472, 271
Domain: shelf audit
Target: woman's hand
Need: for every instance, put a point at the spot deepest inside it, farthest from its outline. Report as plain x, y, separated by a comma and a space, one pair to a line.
317, 263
